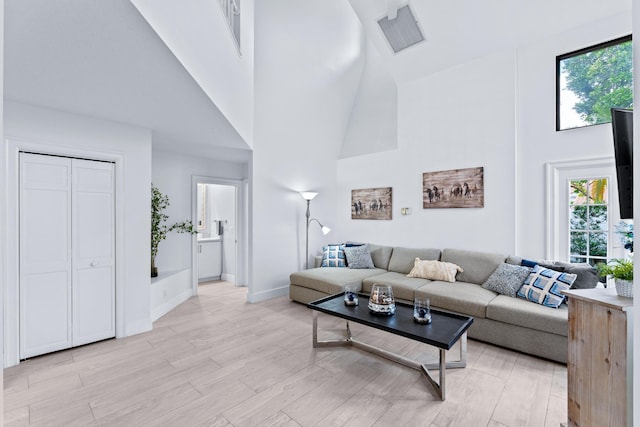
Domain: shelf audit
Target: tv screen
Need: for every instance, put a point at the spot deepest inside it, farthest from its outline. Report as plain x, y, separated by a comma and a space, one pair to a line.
622, 123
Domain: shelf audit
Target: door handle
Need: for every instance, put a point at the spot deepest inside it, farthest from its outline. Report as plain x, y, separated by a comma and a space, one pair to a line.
93, 263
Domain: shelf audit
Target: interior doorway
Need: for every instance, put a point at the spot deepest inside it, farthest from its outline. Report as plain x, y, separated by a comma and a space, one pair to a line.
217, 215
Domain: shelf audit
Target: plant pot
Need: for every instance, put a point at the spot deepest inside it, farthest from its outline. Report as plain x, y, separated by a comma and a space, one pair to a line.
624, 288
154, 269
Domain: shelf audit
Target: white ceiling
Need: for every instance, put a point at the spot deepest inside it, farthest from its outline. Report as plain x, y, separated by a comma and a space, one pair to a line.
101, 59
461, 30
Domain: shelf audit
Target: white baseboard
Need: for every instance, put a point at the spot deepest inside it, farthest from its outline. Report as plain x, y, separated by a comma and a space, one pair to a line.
267, 295
228, 277
167, 306
137, 327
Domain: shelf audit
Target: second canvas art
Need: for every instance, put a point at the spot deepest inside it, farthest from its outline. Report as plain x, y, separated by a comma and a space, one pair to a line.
455, 188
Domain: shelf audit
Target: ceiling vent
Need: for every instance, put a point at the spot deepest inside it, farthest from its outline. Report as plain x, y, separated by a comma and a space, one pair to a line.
403, 31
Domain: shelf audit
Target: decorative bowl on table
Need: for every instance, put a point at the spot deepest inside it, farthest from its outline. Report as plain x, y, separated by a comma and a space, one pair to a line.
381, 300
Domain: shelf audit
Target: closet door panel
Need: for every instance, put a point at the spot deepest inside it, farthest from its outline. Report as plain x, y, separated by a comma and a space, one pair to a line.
93, 251
45, 254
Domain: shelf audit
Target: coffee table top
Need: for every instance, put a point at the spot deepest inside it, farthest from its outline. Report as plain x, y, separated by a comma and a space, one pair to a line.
443, 332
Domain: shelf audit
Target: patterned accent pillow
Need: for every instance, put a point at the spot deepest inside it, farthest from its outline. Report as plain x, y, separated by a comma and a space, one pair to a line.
507, 279
544, 286
435, 270
333, 256
358, 257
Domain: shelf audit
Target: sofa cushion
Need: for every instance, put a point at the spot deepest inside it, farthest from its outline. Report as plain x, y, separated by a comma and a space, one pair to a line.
519, 312
333, 256
477, 266
358, 257
462, 297
380, 255
332, 280
403, 287
507, 279
434, 270
545, 286
403, 259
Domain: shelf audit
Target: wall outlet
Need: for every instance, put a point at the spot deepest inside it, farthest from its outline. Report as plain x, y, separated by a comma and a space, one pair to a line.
405, 211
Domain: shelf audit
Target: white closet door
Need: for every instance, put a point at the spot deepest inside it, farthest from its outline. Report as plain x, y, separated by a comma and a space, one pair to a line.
45, 254
93, 251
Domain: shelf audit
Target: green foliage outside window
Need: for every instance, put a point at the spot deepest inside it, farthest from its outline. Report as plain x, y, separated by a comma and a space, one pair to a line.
596, 80
588, 220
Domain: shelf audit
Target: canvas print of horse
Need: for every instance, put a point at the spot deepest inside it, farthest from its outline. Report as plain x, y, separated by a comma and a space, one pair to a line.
456, 188
371, 203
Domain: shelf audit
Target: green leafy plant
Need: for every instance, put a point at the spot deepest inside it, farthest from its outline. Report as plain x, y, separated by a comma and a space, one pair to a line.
159, 227
618, 268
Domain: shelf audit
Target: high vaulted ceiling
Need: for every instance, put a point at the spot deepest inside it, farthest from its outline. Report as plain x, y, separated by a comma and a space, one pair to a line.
101, 58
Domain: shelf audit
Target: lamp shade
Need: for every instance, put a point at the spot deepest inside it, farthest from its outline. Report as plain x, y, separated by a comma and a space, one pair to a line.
325, 230
308, 195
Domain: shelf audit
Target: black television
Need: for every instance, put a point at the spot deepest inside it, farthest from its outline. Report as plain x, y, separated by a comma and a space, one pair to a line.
622, 123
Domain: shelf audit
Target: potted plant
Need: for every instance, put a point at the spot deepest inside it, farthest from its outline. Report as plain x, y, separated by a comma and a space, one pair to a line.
159, 228
621, 269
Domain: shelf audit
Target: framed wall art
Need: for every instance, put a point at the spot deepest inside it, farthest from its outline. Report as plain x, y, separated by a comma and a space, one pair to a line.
455, 188
371, 203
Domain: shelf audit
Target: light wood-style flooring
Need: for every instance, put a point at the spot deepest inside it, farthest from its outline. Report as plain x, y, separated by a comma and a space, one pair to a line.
218, 361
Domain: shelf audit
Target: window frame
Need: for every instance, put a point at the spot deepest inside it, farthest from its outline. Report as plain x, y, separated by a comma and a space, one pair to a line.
557, 225
579, 52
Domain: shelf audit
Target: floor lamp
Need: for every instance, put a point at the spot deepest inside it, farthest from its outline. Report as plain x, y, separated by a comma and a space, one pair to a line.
308, 196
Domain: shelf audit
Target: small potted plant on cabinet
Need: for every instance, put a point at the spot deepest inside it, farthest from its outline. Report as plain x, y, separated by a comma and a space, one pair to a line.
621, 269
159, 228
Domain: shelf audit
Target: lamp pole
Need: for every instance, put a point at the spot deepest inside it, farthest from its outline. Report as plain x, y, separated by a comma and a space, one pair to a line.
306, 253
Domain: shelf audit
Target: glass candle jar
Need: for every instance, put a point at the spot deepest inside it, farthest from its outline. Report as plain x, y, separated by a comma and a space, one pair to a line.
381, 300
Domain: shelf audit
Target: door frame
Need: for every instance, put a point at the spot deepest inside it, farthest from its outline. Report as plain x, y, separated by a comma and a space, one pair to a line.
12, 295
241, 227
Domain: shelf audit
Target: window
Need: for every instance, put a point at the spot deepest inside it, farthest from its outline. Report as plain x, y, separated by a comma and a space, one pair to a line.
588, 220
231, 11
589, 82
583, 216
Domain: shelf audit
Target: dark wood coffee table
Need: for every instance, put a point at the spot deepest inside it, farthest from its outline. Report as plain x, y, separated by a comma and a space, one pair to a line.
443, 332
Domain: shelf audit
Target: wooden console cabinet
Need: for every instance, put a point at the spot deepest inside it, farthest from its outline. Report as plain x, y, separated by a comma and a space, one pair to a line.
599, 381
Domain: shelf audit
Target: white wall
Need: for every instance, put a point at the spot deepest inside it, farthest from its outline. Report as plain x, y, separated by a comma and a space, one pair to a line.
54, 132
303, 98
172, 175
222, 207
497, 112
459, 118
373, 124
537, 141
198, 35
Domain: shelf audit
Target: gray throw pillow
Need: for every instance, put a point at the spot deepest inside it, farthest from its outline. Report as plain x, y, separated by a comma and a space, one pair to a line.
587, 276
358, 257
507, 279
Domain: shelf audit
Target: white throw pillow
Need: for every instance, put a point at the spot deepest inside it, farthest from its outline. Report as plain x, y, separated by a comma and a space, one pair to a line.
435, 270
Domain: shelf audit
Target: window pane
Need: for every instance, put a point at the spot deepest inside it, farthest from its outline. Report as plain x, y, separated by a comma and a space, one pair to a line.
598, 193
598, 218
591, 81
578, 192
578, 218
578, 243
575, 259
598, 244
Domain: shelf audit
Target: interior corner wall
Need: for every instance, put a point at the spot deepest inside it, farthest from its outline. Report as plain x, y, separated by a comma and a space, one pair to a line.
537, 140
462, 117
172, 176
304, 92
56, 132
198, 35
373, 125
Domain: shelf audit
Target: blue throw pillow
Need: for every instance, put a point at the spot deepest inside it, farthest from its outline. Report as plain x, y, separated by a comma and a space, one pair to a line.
333, 256
545, 286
